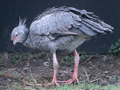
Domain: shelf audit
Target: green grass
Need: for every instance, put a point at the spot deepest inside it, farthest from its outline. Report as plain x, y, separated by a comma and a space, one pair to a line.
83, 86
28, 54
16, 86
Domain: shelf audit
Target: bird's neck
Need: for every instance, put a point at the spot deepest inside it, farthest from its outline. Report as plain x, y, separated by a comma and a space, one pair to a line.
26, 41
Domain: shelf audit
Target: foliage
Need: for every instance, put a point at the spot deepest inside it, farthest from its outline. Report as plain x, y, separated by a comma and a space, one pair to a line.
28, 54
83, 55
15, 58
115, 48
69, 59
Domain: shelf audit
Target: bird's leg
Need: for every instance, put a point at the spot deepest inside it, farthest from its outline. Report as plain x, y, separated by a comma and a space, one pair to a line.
55, 66
76, 61
74, 77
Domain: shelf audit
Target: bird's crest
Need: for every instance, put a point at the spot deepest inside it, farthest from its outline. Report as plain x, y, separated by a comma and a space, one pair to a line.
22, 22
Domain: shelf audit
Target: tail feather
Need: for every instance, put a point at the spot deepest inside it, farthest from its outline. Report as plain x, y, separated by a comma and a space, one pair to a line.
91, 22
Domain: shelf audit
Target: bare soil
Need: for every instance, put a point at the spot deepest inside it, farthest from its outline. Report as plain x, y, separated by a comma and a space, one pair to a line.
25, 70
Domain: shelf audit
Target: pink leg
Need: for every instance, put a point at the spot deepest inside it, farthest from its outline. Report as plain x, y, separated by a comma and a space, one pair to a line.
55, 66
74, 77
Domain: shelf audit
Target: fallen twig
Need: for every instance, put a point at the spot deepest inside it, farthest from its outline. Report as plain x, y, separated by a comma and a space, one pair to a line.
86, 75
87, 59
95, 80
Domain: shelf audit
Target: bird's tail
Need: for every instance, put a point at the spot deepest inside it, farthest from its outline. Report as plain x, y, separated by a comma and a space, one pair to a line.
90, 22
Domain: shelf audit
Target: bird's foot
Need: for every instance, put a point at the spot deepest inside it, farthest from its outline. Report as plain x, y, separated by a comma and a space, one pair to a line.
70, 80
53, 83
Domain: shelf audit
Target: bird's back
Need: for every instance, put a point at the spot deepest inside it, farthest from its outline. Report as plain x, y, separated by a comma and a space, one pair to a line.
60, 20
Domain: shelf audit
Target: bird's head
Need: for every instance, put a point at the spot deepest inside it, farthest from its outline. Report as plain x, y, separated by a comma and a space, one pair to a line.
19, 33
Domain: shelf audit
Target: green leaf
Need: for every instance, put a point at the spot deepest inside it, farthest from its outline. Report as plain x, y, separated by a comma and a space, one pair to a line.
119, 40
110, 51
112, 47
115, 51
117, 44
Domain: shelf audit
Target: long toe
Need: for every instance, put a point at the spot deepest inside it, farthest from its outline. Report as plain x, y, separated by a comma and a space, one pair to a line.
53, 83
77, 80
69, 81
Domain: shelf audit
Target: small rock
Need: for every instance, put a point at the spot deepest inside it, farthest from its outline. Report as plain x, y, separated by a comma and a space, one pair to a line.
106, 72
46, 64
26, 69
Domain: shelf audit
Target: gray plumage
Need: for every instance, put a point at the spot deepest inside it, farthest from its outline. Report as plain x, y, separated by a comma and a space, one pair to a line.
60, 30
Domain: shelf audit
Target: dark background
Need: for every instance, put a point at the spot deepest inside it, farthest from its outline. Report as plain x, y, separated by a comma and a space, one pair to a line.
11, 10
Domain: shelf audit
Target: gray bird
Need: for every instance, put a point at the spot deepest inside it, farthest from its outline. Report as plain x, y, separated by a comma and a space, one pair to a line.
60, 31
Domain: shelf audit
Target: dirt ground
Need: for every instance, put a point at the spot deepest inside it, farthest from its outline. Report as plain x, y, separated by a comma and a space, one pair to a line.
25, 70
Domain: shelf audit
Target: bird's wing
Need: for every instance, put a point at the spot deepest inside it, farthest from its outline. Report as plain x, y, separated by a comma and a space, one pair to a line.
68, 20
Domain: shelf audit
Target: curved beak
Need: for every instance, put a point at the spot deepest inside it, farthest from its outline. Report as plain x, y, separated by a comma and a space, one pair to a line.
15, 40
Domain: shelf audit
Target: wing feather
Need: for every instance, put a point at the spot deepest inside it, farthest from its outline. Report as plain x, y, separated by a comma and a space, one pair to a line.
87, 30
68, 19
